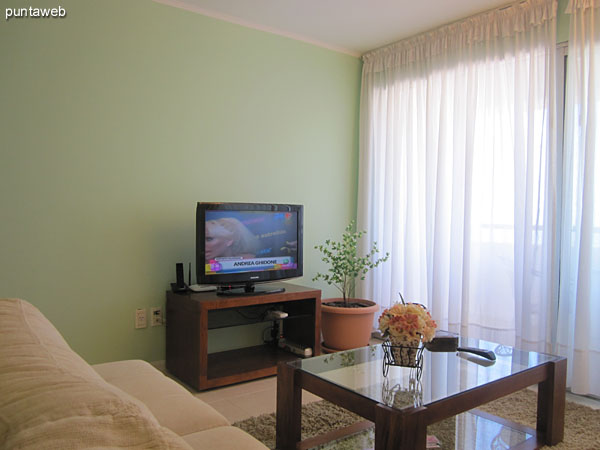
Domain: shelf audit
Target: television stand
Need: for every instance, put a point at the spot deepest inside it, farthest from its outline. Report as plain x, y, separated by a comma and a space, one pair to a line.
248, 289
190, 316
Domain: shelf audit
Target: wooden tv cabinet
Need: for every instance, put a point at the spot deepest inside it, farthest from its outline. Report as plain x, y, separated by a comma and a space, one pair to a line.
190, 315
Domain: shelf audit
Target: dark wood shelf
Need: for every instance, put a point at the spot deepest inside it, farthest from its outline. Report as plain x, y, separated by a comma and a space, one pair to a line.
191, 315
245, 364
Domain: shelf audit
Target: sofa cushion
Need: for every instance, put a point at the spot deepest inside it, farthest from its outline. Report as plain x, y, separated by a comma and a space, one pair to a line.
51, 398
224, 438
173, 406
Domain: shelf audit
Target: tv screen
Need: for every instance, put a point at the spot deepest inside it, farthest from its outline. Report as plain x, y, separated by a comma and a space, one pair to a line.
246, 243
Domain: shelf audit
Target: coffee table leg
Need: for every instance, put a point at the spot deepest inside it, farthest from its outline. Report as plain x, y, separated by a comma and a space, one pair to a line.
289, 407
551, 403
400, 430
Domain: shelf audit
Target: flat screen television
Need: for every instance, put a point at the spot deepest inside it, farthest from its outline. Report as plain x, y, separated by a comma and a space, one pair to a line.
241, 244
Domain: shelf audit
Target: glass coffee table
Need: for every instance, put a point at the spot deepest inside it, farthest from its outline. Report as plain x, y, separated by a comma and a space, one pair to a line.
406, 401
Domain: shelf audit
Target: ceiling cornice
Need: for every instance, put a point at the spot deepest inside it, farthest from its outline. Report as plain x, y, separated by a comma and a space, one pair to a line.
227, 18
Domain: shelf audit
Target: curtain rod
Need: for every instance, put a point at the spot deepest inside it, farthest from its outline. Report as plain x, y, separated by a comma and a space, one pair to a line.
498, 8
502, 8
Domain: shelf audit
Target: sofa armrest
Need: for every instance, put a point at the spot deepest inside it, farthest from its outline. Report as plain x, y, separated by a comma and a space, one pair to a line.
173, 406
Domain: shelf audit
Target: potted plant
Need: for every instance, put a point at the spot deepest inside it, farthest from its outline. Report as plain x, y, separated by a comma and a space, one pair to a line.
347, 322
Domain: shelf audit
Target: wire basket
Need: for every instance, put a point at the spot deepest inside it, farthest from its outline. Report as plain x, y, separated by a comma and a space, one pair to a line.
398, 396
403, 356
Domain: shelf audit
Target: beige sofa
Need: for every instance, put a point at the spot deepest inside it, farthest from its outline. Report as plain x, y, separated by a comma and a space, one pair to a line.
50, 398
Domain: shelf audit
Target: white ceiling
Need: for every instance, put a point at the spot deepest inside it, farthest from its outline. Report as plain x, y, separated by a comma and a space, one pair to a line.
348, 26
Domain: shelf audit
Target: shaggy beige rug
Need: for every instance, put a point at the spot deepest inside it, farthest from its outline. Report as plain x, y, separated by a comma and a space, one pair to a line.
582, 424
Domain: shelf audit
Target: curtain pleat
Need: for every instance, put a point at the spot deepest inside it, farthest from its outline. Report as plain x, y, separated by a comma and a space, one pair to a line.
457, 173
578, 336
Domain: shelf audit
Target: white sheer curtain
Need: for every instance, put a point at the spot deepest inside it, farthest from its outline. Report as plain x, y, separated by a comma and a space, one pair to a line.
579, 302
457, 175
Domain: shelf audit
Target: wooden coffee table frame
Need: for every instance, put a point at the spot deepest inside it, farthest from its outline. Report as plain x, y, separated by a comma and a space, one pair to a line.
406, 429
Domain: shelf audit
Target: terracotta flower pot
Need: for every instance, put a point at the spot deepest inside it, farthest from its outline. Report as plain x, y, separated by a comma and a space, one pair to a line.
346, 328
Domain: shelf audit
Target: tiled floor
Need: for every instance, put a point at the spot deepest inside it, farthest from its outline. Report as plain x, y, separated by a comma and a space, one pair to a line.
243, 400
253, 398
249, 399
587, 401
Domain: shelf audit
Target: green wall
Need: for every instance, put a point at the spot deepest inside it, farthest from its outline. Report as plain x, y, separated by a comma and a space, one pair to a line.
117, 119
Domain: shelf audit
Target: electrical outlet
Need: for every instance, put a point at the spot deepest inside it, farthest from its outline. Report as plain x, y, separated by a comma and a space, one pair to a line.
140, 318
156, 316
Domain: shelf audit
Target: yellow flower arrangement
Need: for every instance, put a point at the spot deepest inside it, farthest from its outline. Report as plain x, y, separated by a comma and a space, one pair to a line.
407, 324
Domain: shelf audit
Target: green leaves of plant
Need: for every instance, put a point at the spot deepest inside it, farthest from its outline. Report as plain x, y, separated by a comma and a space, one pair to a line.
344, 263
